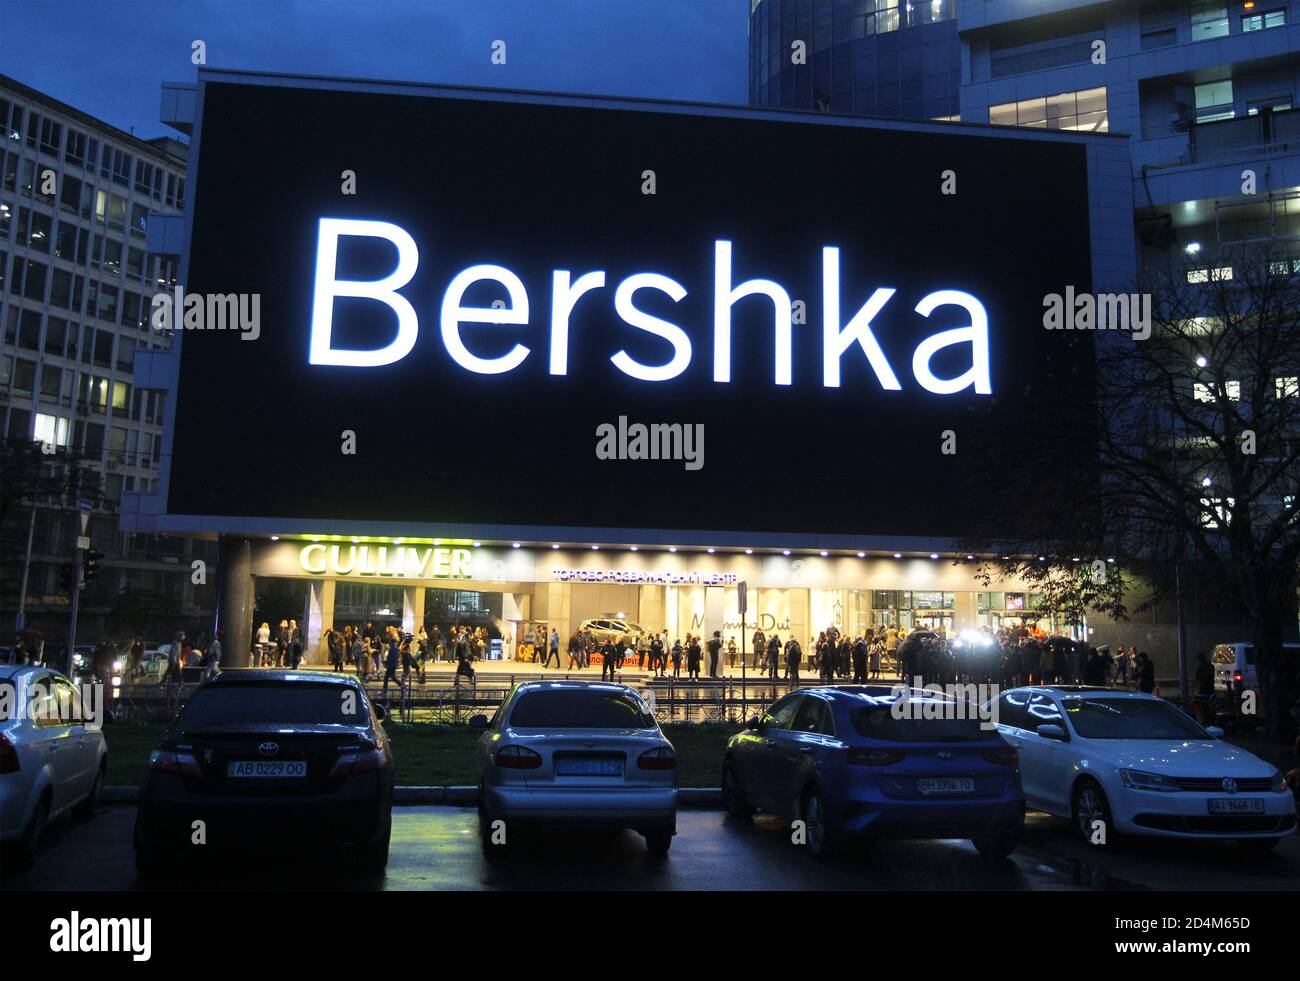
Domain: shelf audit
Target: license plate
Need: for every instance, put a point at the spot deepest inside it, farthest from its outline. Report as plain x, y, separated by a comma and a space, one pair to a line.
588, 767
267, 768
946, 785
1236, 805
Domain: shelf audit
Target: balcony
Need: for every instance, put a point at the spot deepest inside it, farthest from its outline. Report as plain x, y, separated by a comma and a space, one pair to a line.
1264, 134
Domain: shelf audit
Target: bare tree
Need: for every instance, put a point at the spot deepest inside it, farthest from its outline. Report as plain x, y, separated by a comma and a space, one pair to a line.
1191, 457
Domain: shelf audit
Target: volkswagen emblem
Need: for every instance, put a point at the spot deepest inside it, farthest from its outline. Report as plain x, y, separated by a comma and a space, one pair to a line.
944, 754
1229, 785
269, 749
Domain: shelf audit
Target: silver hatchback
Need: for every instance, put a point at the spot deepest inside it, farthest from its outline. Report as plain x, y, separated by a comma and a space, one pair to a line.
575, 754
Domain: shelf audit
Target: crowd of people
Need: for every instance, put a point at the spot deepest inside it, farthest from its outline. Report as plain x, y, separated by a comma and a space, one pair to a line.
372, 651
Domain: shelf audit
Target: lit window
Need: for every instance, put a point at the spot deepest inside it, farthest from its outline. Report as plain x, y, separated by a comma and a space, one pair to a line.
1209, 20
1083, 110
52, 430
1214, 101
1263, 20
1233, 389
1206, 275
1202, 392
1287, 387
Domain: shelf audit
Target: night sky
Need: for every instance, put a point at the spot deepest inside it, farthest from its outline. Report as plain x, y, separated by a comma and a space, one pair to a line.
108, 57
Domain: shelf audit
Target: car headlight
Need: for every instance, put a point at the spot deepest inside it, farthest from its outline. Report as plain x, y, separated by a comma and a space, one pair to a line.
1141, 780
1279, 784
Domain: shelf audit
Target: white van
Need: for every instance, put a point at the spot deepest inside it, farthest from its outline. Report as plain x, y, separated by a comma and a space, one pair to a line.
1234, 666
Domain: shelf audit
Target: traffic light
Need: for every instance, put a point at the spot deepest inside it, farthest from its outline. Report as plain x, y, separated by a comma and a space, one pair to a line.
66, 573
90, 565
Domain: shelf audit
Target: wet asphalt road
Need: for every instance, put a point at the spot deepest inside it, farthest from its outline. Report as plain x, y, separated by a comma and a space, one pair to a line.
437, 848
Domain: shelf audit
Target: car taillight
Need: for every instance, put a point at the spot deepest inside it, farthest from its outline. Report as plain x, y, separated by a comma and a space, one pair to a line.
1003, 757
871, 757
662, 758
8, 756
363, 761
177, 764
517, 758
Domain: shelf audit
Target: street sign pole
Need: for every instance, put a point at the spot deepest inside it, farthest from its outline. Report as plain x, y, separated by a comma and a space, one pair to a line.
27, 564
742, 600
83, 543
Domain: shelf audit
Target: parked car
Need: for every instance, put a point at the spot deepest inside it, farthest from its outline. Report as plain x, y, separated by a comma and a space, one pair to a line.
1234, 666
301, 755
839, 759
1140, 766
576, 754
52, 759
612, 628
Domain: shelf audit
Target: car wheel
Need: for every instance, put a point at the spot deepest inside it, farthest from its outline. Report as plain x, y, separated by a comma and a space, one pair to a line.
819, 837
657, 843
372, 858
1258, 844
995, 847
1090, 807
733, 794
150, 863
30, 843
86, 809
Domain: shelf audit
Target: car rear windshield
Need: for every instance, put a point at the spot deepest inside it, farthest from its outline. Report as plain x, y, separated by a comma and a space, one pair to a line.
573, 709
284, 704
1129, 718
879, 723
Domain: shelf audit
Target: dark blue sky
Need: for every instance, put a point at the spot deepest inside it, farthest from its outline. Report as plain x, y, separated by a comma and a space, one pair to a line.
107, 57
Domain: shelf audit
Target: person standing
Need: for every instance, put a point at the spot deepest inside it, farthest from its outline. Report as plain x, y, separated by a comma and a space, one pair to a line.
1145, 673
793, 655
554, 651
760, 649
608, 658
692, 657
860, 659
677, 658
575, 650
715, 652
731, 652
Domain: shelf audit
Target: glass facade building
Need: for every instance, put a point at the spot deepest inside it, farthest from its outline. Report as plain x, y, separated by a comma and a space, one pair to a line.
891, 58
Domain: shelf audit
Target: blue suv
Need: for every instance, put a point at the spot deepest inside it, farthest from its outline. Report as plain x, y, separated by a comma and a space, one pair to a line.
850, 762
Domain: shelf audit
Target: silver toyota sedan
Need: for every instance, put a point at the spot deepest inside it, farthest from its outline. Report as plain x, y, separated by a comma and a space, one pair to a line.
575, 754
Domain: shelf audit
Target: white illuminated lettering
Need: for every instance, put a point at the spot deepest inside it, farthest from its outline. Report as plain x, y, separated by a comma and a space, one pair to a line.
661, 328
564, 296
725, 297
976, 334
310, 564
453, 315
835, 341
328, 287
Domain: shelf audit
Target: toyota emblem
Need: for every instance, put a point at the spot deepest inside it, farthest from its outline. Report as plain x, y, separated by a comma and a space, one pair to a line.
1229, 785
269, 749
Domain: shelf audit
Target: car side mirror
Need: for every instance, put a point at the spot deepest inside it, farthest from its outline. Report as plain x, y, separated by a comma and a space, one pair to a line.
381, 713
1215, 731
478, 721
1049, 731
754, 723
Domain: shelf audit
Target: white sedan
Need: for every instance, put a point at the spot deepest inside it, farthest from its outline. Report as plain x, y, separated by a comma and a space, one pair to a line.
1127, 762
52, 758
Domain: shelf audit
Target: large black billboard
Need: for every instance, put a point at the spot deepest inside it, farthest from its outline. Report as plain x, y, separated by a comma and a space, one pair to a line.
502, 301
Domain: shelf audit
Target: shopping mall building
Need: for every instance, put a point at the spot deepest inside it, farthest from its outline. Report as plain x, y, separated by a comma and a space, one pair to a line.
846, 310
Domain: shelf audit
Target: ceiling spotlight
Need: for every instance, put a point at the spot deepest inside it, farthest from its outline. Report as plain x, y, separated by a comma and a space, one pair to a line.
712, 550
934, 555
595, 548
634, 548
398, 541
556, 545
749, 551
514, 544
898, 555
275, 538
785, 551
970, 557
1191, 248
672, 548
1201, 361
477, 544
862, 555
822, 553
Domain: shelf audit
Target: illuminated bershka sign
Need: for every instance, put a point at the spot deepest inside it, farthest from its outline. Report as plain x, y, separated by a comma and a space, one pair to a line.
837, 339
460, 292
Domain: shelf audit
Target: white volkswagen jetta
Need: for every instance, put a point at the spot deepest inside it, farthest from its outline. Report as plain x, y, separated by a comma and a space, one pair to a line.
52, 757
1138, 765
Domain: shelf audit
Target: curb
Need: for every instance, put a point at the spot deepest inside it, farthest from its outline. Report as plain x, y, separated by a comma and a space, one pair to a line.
454, 796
